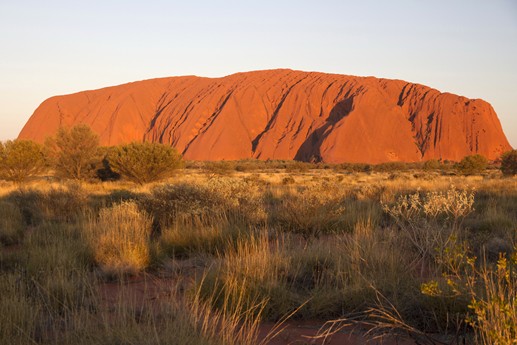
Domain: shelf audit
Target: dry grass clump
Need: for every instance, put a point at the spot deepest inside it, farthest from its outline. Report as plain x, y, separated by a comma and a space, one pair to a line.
18, 314
56, 261
321, 208
329, 276
375, 256
431, 220
370, 259
451, 206
119, 238
175, 319
373, 192
220, 197
308, 211
52, 297
172, 201
56, 204
45, 283
11, 224
495, 217
339, 247
200, 235
244, 198
51, 247
235, 322
256, 270
27, 318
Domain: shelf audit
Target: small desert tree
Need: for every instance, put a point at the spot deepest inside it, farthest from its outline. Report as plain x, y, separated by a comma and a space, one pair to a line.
144, 162
20, 159
74, 152
473, 164
509, 163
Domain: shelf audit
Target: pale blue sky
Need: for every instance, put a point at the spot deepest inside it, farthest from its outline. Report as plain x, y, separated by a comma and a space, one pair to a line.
467, 47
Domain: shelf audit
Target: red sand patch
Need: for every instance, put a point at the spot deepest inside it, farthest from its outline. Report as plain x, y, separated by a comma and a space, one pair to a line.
146, 290
305, 333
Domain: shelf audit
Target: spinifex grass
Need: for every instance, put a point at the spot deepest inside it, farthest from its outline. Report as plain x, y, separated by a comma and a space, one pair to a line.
119, 238
333, 252
11, 224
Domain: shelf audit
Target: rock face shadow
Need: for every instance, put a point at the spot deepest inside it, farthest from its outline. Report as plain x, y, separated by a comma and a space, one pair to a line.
309, 151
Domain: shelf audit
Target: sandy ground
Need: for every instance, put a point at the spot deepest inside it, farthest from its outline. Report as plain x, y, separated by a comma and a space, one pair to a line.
304, 333
147, 290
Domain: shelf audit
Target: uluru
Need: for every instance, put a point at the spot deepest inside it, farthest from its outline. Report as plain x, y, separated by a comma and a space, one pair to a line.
282, 114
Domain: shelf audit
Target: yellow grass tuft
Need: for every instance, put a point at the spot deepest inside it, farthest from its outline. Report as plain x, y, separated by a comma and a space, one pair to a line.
119, 238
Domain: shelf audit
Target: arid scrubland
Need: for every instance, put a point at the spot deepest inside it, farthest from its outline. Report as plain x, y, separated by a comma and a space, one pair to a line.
208, 255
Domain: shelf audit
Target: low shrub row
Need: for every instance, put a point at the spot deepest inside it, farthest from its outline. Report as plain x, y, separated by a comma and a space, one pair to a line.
75, 153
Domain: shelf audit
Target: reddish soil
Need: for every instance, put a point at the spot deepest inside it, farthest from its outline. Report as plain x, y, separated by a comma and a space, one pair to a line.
282, 114
141, 291
146, 290
305, 333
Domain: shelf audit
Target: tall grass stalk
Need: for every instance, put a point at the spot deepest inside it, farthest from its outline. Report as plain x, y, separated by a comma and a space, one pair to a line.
493, 293
119, 238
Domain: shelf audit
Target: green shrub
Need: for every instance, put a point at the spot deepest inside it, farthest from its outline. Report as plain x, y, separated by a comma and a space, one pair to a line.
144, 162
432, 164
509, 163
74, 153
20, 159
473, 164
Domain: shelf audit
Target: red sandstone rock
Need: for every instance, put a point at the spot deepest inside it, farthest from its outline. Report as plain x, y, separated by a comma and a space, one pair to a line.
282, 114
